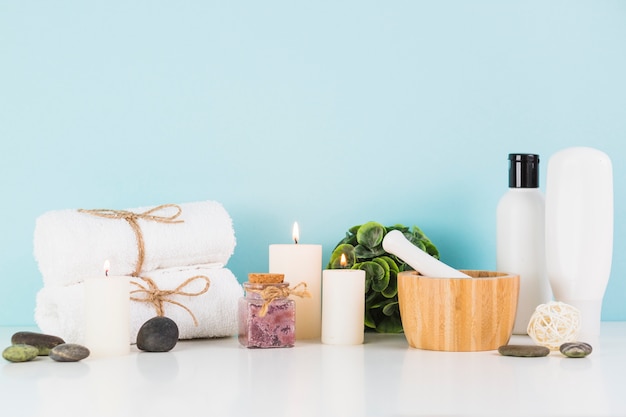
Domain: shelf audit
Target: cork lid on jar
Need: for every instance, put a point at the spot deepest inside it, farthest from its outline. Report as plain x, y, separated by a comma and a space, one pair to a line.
258, 278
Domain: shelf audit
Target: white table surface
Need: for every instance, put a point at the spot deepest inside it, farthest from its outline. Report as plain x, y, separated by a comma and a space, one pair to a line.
383, 377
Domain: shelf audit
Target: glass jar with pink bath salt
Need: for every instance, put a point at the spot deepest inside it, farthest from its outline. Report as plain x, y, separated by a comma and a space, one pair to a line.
267, 317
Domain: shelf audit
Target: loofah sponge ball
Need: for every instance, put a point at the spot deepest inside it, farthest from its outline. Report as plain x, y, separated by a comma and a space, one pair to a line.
553, 324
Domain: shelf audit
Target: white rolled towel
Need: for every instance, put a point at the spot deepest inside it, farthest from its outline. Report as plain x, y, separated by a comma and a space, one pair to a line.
70, 245
60, 310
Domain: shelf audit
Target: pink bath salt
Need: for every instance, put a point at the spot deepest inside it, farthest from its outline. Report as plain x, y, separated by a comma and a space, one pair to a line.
275, 329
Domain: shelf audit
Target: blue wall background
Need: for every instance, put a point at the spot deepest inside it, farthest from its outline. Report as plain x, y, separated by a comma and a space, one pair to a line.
326, 113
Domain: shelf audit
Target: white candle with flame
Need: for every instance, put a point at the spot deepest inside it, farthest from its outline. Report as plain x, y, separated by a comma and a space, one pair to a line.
301, 263
107, 314
343, 305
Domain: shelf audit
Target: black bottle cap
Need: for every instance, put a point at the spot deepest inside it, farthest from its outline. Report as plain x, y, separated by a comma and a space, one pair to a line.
524, 170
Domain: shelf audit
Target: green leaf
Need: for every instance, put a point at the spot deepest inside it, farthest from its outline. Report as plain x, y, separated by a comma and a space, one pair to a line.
391, 308
398, 227
416, 241
354, 229
392, 264
371, 297
417, 232
370, 234
391, 324
431, 249
380, 303
363, 252
380, 261
392, 289
375, 274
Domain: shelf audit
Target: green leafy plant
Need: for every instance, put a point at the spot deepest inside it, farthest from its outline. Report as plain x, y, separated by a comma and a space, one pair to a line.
363, 249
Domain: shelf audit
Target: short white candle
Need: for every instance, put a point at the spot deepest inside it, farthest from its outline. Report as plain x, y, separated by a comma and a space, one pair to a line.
343, 306
397, 244
301, 263
107, 315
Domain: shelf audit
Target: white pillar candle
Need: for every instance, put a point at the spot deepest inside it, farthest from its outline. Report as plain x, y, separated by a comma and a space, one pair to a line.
107, 315
343, 306
397, 244
301, 263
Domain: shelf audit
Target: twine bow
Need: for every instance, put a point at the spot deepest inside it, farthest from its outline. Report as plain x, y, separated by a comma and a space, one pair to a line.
132, 219
158, 297
272, 292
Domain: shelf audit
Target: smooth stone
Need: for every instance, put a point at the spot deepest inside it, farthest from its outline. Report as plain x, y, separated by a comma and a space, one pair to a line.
69, 352
20, 353
576, 349
524, 351
159, 334
43, 342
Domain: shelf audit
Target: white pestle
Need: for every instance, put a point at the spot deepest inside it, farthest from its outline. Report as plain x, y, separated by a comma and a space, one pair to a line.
397, 244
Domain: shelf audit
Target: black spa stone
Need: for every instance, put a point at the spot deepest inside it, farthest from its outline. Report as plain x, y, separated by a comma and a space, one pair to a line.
159, 334
43, 342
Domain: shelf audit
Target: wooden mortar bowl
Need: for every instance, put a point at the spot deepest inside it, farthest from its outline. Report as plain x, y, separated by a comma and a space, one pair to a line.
458, 314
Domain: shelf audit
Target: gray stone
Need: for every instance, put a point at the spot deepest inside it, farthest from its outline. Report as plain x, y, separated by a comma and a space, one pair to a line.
43, 342
524, 351
576, 349
69, 352
20, 353
159, 334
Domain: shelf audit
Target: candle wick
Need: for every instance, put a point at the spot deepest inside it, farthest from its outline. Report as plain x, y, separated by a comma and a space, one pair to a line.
296, 240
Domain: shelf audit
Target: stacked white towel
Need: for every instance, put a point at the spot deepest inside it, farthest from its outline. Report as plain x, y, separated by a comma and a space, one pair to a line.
60, 310
71, 246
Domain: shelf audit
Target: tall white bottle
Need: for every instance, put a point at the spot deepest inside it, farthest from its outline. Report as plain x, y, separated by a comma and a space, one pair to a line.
520, 240
579, 231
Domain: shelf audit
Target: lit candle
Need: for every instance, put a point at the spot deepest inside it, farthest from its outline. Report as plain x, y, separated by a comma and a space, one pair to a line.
107, 314
343, 305
302, 263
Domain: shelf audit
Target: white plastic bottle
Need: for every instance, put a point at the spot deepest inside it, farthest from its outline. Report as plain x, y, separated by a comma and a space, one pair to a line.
579, 231
520, 240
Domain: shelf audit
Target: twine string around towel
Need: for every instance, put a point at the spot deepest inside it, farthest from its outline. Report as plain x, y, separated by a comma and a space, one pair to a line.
272, 292
132, 219
158, 297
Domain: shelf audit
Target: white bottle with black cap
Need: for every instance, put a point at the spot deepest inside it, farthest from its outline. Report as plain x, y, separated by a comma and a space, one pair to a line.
520, 241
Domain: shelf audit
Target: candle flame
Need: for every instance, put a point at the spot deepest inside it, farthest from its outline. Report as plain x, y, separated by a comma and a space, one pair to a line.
296, 232
343, 261
107, 266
